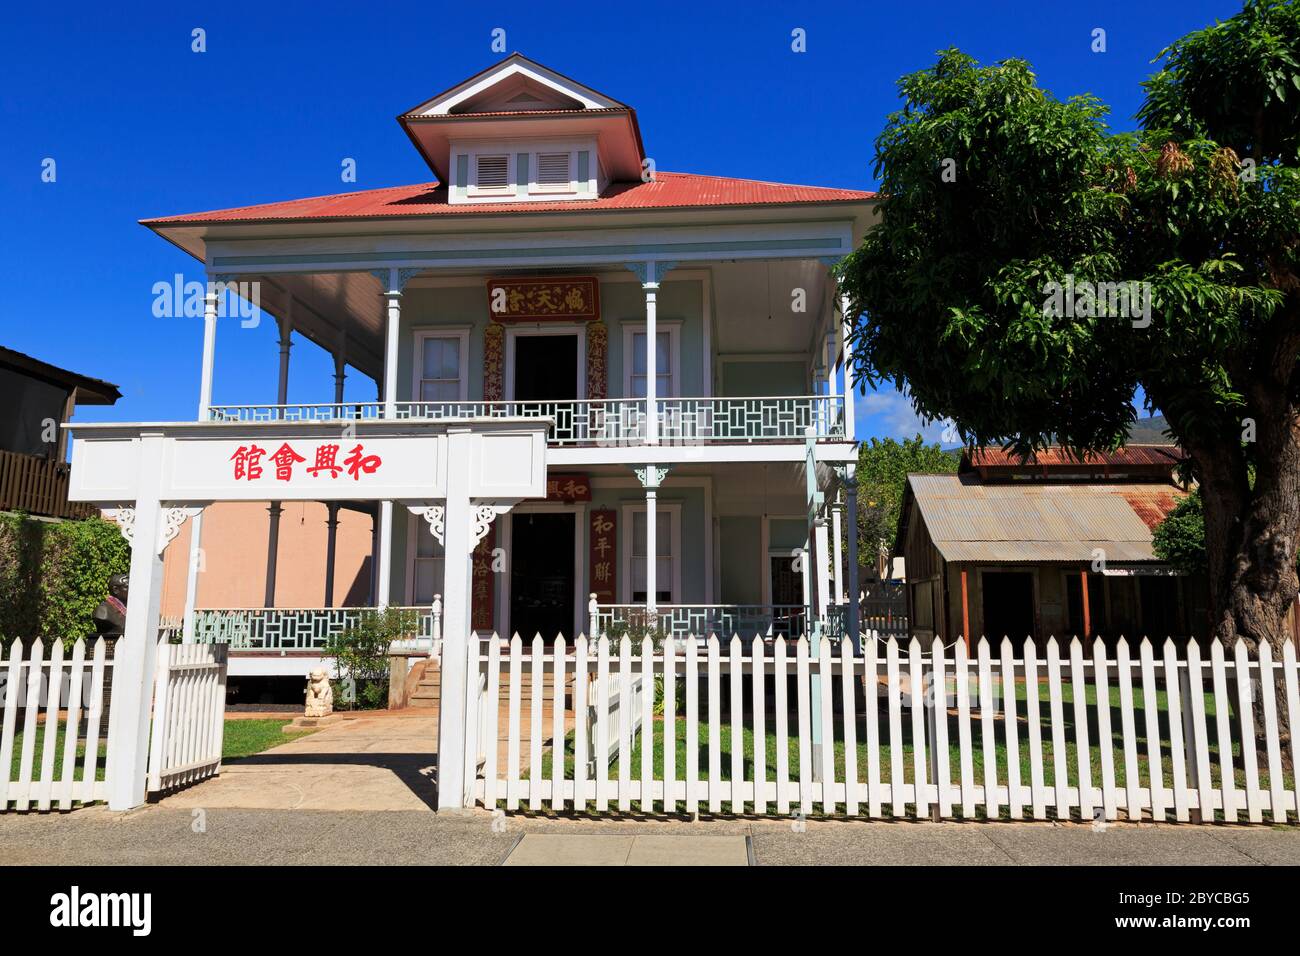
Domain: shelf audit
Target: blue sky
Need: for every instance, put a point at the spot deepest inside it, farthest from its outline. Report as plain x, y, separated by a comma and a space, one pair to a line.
139, 125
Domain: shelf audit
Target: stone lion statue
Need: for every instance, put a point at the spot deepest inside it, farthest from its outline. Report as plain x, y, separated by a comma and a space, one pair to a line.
320, 696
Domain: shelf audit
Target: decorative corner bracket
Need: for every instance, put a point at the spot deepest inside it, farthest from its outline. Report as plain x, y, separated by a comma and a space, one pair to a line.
651, 476
651, 272
393, 281
485, 512
436, 516
170, 522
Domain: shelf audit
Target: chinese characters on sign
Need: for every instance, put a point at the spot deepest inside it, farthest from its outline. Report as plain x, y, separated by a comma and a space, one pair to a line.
248, 464
482, 599
568, 488
567, 298
604, 541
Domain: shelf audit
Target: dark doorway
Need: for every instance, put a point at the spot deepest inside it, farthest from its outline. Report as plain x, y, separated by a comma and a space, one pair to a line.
1008, 605
1074, 605
787, 596
1160, 608
541, 575
546, 368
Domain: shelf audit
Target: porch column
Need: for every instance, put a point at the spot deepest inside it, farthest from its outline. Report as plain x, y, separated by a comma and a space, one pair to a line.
205, 409
651, 477
332, 522
650, 273
651, 380
850, 428
134, 660
823, 566
837, 559
851, 515
393, 293
281, 398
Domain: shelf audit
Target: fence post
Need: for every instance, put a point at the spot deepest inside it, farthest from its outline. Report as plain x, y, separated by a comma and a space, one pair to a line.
435, 631
593, 617
158, 743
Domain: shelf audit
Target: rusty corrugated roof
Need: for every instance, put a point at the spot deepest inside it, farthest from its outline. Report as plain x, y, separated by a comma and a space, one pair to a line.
971, 521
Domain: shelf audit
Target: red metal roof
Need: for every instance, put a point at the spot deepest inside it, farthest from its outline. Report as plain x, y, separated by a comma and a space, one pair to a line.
668, 191
1058, 459
1153, 506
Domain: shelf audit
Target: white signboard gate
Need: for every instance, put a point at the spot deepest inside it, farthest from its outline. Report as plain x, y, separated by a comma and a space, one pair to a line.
458, 475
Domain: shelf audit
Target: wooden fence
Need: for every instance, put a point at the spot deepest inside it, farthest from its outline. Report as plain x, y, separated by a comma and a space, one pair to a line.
54, 756
761, 727
188, 714
38, 485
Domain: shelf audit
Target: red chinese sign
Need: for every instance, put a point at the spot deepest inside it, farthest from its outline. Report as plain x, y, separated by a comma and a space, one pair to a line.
483, 593
604, 550
564, 487
554, 298
249, 466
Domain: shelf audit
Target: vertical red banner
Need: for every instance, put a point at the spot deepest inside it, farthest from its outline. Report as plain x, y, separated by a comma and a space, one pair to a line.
483, 601
603, 526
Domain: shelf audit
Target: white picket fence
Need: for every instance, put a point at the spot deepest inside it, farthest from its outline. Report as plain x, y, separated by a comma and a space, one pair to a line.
188, 715
68, 692
1017, 737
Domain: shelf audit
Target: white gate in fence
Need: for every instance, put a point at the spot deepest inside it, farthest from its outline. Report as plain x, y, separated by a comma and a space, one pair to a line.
189, 712
1015, 733
57, 745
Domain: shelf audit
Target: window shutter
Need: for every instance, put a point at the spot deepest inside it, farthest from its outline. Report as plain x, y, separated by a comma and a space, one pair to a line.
553, 169
493, 172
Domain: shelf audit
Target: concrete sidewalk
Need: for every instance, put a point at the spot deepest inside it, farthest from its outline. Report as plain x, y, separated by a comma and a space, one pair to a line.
198, 835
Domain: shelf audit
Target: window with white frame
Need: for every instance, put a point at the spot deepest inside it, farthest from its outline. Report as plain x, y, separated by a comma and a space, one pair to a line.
441, 362
667, 557
636, 360
427, 564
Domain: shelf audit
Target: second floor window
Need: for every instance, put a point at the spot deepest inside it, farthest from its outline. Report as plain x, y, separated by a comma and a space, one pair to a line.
442, 371
664, 384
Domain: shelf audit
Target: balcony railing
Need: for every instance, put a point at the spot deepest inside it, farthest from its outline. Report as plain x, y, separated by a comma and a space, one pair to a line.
700, 620
290, 629
606, 421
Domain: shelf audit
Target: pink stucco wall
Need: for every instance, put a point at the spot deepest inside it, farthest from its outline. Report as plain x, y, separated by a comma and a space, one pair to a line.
234, 551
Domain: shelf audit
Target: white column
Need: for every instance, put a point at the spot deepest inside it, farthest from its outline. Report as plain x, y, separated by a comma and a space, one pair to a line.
837, 559
823, 568
209, 351
205, 405
850, 428
651, 545
137, 650
281, 398
391, 330
457, 590
651, 359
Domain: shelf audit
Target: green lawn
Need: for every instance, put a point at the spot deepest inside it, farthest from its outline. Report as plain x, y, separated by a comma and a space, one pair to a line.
243, 738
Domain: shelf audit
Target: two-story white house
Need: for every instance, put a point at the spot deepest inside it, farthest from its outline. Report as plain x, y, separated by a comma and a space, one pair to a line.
680, 336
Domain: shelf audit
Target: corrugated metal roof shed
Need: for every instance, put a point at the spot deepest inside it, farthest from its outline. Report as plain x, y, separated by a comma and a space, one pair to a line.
971, 521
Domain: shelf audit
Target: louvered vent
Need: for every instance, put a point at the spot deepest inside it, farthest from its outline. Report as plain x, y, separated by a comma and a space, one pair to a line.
493, 172
553, 169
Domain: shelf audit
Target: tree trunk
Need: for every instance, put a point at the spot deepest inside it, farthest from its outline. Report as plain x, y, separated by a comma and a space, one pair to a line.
1251, 532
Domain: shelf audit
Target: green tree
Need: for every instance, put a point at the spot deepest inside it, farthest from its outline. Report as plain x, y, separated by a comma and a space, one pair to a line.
1179, 539
1009, 217
883, 467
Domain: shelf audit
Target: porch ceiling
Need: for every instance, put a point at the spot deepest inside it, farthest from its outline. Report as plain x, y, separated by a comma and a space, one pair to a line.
754, 302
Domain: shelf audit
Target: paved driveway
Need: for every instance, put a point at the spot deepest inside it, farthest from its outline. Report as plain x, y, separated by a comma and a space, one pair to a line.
380, 762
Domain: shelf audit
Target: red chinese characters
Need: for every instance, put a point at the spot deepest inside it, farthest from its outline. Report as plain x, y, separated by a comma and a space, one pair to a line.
248, 462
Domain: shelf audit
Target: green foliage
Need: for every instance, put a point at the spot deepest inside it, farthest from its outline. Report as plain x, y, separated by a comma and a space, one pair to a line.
955, 283
1179, 539
360, 655
54, 574
883, 467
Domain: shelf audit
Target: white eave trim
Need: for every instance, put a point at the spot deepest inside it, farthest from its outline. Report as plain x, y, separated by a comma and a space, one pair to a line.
518, 66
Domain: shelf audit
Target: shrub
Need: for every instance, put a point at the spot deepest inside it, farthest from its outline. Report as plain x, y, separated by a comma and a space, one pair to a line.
53, 574
360, 655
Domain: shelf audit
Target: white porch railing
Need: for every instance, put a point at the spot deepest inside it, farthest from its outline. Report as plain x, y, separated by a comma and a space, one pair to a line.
598, 421
291, 629
1011, 732
681, 620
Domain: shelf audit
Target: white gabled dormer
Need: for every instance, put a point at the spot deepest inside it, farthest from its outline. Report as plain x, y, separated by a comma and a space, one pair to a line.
519, 132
